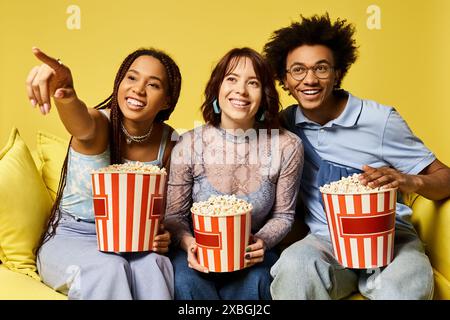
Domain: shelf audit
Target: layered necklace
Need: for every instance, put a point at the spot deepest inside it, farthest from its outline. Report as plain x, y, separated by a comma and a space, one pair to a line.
138, 139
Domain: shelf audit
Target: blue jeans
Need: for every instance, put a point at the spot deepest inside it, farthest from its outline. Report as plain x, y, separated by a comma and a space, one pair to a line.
308, 270
251, 283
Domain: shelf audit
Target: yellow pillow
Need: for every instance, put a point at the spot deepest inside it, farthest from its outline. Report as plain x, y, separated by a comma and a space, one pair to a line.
24, 207
52, 152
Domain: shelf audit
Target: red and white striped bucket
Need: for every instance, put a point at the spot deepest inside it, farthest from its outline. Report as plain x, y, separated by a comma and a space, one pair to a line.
222, 240
128, 208
362, 227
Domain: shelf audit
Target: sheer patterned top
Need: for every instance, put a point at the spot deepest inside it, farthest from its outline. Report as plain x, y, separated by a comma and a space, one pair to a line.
261, 167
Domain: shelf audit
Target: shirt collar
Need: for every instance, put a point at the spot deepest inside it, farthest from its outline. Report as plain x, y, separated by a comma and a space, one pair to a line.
347, 118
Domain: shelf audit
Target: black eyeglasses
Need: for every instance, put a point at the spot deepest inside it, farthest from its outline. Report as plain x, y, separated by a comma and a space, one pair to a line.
320, 71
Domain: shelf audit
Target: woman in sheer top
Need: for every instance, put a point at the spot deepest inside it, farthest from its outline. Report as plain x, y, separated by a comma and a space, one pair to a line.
241, 151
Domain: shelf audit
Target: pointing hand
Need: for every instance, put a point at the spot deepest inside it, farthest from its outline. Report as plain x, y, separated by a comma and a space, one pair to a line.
50, 79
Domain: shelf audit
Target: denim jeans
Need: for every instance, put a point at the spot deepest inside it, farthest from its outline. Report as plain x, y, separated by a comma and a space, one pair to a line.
251, 283
308, 270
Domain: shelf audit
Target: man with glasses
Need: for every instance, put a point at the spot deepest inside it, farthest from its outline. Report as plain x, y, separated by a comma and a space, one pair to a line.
342, 135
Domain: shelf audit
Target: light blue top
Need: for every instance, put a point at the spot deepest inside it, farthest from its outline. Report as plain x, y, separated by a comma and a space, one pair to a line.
77, 195
366, 132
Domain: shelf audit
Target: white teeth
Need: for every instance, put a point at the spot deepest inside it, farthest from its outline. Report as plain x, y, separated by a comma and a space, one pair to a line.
239, 102
135, 102
310, 91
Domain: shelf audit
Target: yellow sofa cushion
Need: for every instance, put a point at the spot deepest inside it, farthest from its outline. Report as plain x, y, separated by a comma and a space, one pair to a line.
52, 152
18, 286
24, 207
432, 222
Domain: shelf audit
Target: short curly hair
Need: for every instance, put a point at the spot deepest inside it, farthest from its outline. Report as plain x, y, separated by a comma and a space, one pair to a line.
315, 30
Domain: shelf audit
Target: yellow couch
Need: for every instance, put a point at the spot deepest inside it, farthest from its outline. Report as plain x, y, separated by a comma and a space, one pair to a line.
27, 190
431, 219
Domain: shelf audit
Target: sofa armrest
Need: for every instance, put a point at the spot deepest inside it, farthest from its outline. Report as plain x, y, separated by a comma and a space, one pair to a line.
432, 222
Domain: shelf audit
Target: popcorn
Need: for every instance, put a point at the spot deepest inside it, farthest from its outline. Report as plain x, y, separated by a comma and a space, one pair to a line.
131, 167
225, 205
350, 184
222, 228
361, 221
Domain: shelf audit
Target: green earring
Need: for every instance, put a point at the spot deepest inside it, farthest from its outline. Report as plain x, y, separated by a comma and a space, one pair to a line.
216, 107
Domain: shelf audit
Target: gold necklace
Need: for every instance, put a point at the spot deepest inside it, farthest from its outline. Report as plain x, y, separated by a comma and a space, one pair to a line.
138, 139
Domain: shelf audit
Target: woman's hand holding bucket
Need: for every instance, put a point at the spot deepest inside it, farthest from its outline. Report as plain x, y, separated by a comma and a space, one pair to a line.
162, 240
254, 253
191, 248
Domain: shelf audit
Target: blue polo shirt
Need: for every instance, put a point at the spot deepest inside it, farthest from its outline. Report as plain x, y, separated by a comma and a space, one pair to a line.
366, 132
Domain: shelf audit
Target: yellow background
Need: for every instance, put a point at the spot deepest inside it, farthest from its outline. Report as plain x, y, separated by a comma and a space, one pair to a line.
405, 64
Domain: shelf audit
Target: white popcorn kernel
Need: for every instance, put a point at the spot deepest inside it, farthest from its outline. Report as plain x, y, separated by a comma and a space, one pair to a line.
221, 206
131, 167
350, 184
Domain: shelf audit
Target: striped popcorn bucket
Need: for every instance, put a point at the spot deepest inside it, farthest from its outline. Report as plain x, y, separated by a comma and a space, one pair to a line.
128, 208
222, 240
362, 227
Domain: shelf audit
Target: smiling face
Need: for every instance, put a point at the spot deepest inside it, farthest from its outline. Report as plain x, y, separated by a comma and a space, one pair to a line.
240, 96
142, 92
312, 94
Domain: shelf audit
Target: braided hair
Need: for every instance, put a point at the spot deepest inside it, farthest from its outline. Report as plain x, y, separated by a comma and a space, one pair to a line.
116, 116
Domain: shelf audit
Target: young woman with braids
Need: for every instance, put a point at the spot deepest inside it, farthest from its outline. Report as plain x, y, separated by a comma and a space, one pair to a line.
128, 126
